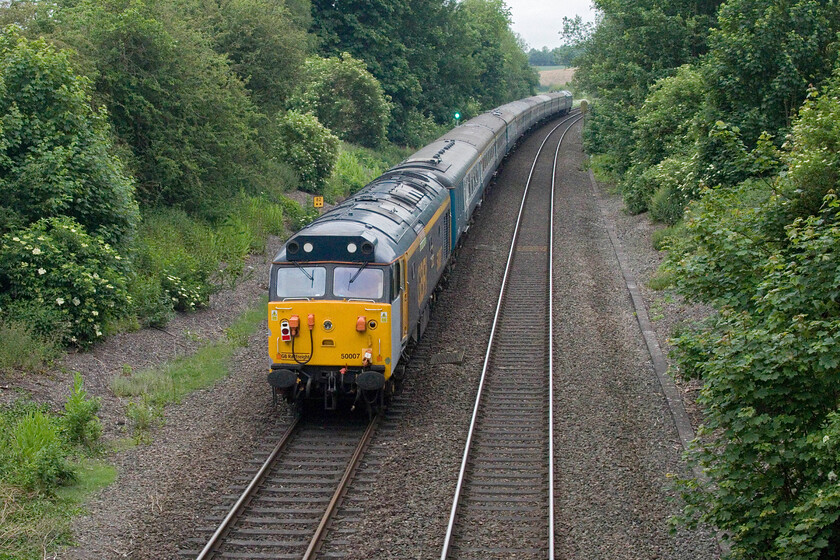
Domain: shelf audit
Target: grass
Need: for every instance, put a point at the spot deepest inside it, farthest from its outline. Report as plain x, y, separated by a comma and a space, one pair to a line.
600, 165
35, 526
151, 389
23, 350
544, 68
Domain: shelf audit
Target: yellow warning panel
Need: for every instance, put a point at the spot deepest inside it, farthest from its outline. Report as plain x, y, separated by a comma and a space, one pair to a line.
318, 201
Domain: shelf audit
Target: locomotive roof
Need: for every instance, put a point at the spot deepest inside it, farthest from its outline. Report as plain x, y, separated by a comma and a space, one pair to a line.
386, 217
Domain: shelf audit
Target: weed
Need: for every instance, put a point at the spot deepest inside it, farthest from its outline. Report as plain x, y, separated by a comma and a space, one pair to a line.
23, 350
145, 415
81, 424
661, 280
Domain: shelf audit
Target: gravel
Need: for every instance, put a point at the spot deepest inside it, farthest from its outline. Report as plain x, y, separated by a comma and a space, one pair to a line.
616, 444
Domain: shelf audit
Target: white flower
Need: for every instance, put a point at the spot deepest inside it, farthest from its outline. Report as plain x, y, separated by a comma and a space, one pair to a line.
15, 238
76, 301
831, 476
36, 251
41, 271
825, 439
59, 301
94, 313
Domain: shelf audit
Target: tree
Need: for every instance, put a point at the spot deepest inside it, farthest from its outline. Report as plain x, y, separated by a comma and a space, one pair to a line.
635, 43
265, 44
346, 98
55, 150
764, 253
176, 104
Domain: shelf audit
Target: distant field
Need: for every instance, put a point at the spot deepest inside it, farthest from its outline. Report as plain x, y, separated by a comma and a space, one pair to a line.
557, 76
544, 68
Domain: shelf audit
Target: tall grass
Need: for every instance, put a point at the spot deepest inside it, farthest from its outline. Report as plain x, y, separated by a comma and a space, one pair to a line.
23, 350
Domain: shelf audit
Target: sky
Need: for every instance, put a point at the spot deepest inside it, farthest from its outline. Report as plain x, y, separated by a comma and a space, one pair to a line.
540, 21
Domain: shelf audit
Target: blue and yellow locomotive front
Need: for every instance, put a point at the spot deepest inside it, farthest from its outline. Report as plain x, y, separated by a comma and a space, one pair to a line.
332, 318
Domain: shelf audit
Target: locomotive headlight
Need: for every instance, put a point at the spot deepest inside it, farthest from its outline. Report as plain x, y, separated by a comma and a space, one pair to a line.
328, 325
351, 248
307, 247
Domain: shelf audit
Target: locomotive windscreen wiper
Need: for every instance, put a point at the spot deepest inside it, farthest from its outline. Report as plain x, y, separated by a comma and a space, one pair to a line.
361, 268
311, 278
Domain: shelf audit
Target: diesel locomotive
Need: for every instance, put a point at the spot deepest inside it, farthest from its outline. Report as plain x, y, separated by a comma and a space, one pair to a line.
348, 292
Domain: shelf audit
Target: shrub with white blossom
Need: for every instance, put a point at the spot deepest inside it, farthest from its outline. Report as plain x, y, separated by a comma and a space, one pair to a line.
64, 282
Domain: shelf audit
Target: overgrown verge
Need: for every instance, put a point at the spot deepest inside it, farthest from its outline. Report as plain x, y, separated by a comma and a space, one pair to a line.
150, 390
48, 465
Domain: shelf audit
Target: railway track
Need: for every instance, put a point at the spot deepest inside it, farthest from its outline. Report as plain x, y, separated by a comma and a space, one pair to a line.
504, 500
286, 508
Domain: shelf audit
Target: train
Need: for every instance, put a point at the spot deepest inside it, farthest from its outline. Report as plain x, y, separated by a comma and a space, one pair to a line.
349, 292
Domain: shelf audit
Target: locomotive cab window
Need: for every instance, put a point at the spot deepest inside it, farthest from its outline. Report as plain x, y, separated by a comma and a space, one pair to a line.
301, 281
358, 282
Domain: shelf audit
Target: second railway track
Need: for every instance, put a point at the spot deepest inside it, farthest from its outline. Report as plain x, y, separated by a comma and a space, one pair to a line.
503, 507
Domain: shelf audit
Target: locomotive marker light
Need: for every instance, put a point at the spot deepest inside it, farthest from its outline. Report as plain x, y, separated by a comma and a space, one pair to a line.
285, 331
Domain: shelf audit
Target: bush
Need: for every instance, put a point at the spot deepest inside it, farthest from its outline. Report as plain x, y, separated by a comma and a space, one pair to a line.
63, 282
346, 98
308, 146
81, 424
33, 451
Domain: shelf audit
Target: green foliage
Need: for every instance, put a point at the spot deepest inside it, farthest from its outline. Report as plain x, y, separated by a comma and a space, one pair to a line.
23, 350
178, 259
145, 416
298, 217
769, 359
32, 450
355, 168
81, 425
177, 106
265, 45
63, 282
635, 44
308, 146
432, 57
346, 98
763, 55
55, 149
261, 217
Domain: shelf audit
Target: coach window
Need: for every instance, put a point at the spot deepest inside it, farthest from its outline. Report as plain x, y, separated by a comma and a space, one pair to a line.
301, 281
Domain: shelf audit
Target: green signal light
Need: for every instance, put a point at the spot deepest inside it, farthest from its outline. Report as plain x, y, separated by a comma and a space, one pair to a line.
457, 116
